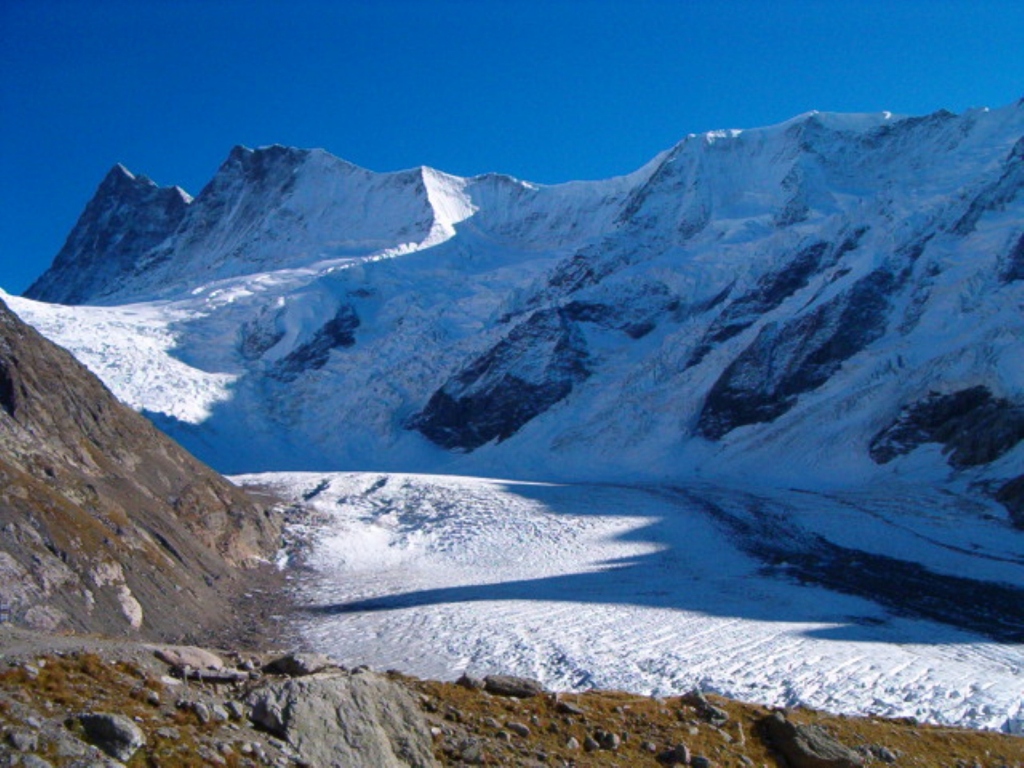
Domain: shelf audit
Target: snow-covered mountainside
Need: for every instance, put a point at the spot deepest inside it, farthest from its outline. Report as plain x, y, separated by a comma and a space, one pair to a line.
835, 299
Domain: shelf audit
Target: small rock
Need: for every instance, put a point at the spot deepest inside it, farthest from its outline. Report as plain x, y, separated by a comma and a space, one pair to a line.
301, 664
169, 733
708, 711
23, 741
515, 687
34, 761
152, 698
210, 756
219, 713
699, 761
572, 743
589, 745
568, 708
202, 712
518, 729
236, 710
490, 722
65, 745
181, 656
116, 735
607, 741
503, 736
678, 755
884, 754
648, 746
472, 752
468, 681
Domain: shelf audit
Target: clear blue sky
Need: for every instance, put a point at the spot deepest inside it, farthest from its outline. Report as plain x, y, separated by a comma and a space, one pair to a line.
546, 90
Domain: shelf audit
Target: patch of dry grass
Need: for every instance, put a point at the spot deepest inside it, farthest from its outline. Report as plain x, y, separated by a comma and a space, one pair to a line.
649, 727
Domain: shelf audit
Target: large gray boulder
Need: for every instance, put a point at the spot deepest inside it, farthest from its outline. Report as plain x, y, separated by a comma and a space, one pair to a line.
345, 720
808, 746
515, 687
116, 735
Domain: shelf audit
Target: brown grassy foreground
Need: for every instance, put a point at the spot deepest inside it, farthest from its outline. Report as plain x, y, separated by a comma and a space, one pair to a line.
41, 693
644, 723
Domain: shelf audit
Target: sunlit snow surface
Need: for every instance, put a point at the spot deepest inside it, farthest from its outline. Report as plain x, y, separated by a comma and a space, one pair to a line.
640, 588
130, 348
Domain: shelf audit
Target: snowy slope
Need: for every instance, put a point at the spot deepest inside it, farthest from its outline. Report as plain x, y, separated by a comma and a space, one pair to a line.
655, 590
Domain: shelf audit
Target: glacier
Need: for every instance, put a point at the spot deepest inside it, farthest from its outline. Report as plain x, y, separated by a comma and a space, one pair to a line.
789, 348
650, 589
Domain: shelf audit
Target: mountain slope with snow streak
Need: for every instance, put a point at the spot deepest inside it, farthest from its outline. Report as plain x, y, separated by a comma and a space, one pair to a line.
794, 290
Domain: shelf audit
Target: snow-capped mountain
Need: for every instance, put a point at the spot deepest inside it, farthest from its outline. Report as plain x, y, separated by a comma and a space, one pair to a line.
834, 299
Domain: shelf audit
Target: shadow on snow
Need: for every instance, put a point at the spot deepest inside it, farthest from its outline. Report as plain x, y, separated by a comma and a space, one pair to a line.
746, 561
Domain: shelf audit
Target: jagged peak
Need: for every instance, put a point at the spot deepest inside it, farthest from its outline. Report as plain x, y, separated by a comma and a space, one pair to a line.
120, 171
119, 176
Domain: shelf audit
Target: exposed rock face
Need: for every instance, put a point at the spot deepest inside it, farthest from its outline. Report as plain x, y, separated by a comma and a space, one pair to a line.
128, 216
785, 361
771, 290
1011, 496
336, 333
345, 721
300, 664
1013, 269
972, 426
105, 524
522, 376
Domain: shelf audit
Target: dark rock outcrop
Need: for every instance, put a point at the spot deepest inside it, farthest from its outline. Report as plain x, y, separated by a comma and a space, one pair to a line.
128, 216
998, 193
106, 525
1011, 496
336, 333
786, 360
771, 290
522, 376
972, 426
1013, 267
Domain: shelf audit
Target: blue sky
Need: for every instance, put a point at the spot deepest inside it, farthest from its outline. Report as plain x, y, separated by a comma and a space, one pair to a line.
545, 90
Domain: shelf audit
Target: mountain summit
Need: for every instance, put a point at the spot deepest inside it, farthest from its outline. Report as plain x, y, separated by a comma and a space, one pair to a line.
835, 299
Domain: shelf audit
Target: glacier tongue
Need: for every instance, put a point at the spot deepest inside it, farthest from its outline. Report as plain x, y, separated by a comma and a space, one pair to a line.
648, 589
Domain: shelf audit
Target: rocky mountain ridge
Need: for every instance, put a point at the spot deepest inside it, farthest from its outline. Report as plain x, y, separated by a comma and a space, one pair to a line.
794, 290
106, 525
